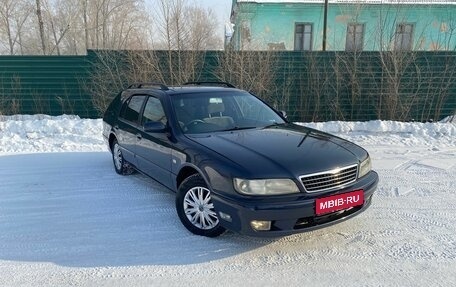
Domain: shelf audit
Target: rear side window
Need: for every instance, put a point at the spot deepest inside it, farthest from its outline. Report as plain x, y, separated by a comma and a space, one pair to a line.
132, 108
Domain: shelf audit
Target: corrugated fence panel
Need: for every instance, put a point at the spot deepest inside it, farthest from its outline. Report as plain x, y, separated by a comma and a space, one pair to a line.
51, 85
370, 85
315, 86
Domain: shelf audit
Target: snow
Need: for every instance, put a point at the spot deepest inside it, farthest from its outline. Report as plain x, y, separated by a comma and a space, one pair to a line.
43, 133
66, 218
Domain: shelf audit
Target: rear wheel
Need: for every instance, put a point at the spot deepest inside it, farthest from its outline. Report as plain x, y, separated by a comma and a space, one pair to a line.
195, 208
120, 164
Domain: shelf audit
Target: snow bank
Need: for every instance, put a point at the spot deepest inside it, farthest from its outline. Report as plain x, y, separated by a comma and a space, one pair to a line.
43, 133
378, 127
390, 133
450, 119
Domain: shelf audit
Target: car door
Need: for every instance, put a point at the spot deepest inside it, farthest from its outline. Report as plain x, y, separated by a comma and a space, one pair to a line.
154, 149
127, 127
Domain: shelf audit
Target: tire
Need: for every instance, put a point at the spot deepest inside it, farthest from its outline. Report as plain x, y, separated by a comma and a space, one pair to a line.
121, 166
195, 208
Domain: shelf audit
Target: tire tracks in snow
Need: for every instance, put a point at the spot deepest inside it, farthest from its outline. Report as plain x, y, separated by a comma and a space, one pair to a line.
112, 229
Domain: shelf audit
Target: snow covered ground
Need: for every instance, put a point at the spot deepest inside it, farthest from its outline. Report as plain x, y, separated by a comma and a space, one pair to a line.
66, 218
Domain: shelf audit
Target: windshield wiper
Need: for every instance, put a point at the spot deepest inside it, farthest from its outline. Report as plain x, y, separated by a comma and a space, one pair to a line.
275, 124
239, 129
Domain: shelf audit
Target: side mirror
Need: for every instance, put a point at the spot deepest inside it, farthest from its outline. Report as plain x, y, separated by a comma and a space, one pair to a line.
154, 127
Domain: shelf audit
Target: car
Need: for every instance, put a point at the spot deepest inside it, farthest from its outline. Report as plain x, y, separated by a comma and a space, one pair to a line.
234, 162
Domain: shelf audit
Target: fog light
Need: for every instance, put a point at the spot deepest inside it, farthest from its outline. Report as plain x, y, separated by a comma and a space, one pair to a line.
225, 216
260, 225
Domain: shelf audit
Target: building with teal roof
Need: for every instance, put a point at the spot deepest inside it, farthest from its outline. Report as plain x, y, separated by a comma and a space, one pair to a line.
365, 25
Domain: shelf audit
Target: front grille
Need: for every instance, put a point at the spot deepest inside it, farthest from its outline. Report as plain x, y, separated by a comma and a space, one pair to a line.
329, 179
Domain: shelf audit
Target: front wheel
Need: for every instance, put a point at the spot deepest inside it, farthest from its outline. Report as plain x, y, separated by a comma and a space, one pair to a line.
120, 165
195, 208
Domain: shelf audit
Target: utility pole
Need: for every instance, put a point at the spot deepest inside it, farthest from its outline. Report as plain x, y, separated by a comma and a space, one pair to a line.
325, 24
41, 25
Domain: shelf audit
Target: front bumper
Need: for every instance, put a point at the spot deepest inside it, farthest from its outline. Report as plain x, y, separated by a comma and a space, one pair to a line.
289, 217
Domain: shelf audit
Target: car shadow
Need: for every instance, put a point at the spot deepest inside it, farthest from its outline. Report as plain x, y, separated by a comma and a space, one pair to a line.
72, 209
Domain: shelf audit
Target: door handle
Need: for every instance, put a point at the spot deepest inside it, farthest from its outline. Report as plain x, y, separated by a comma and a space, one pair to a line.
139, 137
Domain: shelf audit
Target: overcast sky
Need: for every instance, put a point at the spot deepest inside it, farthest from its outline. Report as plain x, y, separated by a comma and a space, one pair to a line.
221, 8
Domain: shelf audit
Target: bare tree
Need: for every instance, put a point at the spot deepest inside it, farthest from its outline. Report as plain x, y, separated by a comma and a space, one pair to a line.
184, 26
115, 24
389, 71
201, 24
445, 40
13, 16
168, 15
6, 13
60, 18
85, 22
182, 30
72, 27
253, 71
41, 26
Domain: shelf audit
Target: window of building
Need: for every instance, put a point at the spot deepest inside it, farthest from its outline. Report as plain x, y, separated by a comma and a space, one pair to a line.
403, 38
303, 37
355, 37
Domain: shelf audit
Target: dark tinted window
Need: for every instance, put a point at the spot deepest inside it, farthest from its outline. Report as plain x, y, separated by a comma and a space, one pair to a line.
132, 108
221, 111
153, 111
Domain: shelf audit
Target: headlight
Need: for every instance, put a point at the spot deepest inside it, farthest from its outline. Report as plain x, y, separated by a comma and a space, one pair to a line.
265, 186
365, 167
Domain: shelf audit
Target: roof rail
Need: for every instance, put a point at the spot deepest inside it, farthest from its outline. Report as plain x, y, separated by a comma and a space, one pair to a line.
215, 83
148, 85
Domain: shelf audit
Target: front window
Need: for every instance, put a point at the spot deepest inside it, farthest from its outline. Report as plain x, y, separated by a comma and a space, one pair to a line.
222, 111
303, 37
403, 37
153, 112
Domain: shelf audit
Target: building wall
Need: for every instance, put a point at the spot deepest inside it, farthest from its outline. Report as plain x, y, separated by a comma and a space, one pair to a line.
260, 24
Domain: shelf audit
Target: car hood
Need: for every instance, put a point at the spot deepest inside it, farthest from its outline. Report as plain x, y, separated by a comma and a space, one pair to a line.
282, 150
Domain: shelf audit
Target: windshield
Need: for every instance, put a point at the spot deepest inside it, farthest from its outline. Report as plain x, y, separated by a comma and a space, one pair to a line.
222, 111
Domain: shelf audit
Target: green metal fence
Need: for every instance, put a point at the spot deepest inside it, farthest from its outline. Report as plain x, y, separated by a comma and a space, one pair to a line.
316, 86
51, 85
418, 86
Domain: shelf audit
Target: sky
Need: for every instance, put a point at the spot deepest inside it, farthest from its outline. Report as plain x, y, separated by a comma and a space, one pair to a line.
221, 8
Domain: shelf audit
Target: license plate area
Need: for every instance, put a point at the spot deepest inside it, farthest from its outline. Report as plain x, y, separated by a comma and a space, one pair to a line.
339, 202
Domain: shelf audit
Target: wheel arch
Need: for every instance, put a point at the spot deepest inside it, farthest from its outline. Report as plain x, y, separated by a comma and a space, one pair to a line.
196, 212
111, 139
185, 172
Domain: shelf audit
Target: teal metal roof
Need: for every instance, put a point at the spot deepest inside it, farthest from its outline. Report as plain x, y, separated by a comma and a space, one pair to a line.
401, 2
